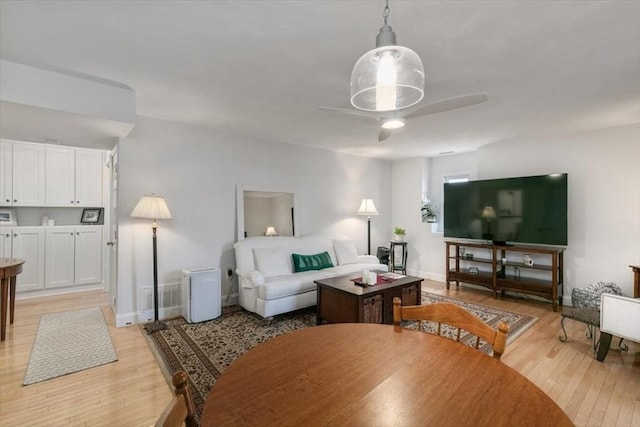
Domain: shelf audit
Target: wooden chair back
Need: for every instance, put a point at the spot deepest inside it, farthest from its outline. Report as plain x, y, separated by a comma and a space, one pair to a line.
456, 316
180, 411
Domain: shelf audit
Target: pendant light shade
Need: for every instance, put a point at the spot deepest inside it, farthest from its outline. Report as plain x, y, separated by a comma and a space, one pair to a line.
389, 77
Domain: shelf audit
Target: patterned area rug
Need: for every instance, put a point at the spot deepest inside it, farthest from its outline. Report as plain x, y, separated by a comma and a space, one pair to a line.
69, 342
204, 350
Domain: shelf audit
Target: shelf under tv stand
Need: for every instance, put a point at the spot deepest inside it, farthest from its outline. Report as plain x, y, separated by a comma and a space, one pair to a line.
482, 264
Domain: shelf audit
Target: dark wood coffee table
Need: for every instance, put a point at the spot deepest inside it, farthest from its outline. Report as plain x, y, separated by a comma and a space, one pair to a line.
340, 300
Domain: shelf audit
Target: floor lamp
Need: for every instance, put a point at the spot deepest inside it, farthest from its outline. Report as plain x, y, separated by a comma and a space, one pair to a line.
153, 207
368, 208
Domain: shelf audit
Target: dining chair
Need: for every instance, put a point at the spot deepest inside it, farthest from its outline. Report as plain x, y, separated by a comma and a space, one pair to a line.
180, 411
456, 316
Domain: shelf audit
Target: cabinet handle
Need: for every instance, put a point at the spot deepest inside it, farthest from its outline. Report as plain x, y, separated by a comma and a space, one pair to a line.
77, 233
8, 200
15, 200
15, 235
71, 202
77, 202
71, 233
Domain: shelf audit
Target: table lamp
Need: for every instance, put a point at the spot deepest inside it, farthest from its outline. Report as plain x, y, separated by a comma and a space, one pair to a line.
271, 232
153, 207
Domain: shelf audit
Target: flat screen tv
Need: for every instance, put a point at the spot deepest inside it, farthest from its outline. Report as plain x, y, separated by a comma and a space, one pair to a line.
530, 209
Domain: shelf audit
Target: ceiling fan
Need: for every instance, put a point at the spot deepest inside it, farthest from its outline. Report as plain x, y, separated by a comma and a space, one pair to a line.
395, 119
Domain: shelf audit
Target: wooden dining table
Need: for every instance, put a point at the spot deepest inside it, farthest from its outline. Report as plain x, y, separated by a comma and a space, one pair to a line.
9, 270
373, 375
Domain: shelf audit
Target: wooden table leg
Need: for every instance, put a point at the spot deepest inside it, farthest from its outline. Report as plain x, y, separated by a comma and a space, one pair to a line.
12, 298
4, 294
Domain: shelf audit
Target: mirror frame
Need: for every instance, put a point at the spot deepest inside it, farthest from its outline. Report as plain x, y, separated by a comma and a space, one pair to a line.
241, 188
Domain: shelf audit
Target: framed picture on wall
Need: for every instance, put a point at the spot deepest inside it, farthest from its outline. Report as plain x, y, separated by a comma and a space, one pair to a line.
91, 215
8, 218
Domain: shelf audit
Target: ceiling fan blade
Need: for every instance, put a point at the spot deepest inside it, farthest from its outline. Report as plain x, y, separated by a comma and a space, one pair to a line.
384, 135
449, 104
349, 111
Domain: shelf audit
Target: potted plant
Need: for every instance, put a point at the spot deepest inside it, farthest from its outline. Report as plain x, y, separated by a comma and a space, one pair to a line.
399, 233
429, 212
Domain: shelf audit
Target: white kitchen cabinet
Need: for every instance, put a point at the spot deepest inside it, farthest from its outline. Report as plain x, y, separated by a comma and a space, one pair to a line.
73, 256
6, 173
74, 177
23, 174
89, 166
60, 172
59, 257
5, 242
27, 243
88, 257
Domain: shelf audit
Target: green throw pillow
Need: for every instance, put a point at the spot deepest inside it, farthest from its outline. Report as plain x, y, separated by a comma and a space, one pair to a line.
311, 262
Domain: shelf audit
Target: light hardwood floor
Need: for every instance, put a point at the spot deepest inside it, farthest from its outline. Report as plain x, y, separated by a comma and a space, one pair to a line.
133, 390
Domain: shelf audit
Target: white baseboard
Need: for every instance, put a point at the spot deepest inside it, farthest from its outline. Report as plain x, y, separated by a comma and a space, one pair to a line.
127, 319
59, 291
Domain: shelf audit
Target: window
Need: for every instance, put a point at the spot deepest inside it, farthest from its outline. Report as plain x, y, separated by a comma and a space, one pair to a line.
448, 179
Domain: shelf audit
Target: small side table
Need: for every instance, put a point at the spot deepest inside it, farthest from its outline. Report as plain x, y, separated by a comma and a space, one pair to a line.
401, 264
9, 269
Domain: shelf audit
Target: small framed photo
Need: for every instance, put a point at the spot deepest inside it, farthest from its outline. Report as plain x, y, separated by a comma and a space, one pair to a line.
7, 218
91, 215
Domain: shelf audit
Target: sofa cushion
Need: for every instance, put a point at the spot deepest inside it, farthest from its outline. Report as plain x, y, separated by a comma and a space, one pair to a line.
293, 284
345, 251
358, 268
271, 261
311, 262
315, 244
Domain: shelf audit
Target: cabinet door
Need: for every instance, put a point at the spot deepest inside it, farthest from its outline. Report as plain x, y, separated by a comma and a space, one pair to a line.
28, 244
59, 257
6, 171
89, 166
88, 259
28, 174
60, 176
6, 234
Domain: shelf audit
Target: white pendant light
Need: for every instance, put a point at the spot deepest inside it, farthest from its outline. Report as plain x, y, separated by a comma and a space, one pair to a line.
389, 77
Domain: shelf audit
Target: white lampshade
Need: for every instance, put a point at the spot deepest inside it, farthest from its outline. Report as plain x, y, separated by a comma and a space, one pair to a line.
367, 207
271, 232
151, 207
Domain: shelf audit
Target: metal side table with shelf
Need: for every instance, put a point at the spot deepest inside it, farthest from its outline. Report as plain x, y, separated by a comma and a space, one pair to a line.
398, 263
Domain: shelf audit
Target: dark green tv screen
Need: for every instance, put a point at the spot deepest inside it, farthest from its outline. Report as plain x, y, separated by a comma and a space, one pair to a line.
530, 209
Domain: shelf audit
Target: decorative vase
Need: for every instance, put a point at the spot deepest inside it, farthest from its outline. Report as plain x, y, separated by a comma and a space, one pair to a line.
399, 237
431, 218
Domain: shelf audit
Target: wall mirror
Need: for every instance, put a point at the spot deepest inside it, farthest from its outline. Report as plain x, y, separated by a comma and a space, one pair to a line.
265, 213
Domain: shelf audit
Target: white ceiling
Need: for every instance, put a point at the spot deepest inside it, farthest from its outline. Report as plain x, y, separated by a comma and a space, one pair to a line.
262, 68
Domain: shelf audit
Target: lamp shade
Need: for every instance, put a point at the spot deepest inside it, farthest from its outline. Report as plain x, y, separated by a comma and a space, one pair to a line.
367, 207
152, 207
271, 232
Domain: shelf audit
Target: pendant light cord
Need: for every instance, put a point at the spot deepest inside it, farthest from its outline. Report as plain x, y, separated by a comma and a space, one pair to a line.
385, 14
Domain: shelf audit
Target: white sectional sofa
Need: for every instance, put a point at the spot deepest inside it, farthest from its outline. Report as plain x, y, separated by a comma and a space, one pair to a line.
267, 283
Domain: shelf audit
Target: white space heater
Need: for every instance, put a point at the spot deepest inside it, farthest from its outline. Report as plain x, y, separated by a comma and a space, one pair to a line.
201, 294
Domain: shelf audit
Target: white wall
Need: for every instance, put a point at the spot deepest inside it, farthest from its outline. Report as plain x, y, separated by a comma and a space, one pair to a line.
197, 171
604, 199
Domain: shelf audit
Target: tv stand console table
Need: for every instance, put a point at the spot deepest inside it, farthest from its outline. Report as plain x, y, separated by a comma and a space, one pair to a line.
503, 268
